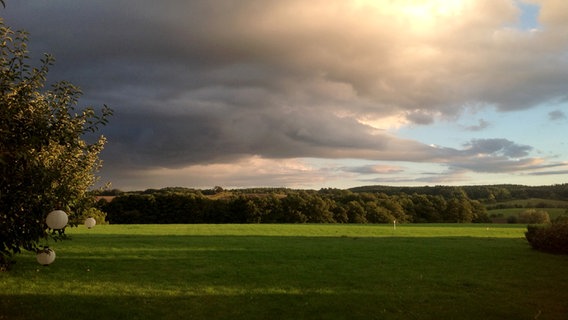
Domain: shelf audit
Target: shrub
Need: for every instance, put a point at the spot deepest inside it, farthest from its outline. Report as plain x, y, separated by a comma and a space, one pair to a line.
533, 216
97, 214
551, 238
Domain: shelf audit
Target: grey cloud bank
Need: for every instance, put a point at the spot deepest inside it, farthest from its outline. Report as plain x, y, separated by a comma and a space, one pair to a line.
216, 82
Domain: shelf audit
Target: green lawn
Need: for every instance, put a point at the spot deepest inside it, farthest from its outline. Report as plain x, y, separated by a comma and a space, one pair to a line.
290, 272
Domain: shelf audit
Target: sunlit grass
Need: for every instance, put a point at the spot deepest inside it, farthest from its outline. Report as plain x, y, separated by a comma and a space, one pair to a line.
312, 230
290, 272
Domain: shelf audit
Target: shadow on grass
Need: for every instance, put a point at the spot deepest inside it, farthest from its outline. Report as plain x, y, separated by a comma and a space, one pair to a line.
275, 277
252, 306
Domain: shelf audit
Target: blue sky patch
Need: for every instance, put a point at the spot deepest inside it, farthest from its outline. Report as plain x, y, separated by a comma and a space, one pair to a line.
529, 16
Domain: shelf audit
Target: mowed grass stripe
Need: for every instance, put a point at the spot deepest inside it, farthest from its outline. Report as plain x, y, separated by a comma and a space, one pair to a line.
313, 230
290, 272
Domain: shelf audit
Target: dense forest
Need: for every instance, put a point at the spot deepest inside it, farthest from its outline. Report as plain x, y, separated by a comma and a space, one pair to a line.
371, 204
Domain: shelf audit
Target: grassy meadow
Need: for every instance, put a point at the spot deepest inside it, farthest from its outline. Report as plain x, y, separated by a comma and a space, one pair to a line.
513, 208
259, 271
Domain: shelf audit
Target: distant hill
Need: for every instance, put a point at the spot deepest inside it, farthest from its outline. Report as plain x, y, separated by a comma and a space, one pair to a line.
487, 194
484, 193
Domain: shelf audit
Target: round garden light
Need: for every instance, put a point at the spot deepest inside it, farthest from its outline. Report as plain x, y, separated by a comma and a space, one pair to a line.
56, 219
45, 256
90, 222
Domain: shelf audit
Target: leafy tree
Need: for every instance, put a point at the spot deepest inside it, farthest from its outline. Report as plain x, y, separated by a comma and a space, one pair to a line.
356, 212
315, 208
424, 209
394, 208
479, 212
377, 214
459, 208
46, 162
339, 213
244, 210
293, 208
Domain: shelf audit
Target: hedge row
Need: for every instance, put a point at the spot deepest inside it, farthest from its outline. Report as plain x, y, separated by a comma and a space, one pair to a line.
552, 238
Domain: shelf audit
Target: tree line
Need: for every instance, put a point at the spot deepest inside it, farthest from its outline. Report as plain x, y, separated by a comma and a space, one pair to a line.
487, 194
293, 206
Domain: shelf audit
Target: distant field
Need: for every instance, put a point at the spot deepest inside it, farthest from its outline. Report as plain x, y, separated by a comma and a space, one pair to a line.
505, 213
513, 208
290, 272
533, 203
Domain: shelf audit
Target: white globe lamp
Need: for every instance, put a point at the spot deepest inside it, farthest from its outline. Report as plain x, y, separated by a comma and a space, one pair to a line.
90, 222
56, 219
45, 256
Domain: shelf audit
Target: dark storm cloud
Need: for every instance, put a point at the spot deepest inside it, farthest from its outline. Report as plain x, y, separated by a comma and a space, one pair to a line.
213, 81
222, 135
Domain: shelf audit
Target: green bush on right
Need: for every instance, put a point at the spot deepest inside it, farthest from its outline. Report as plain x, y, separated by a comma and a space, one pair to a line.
551, 238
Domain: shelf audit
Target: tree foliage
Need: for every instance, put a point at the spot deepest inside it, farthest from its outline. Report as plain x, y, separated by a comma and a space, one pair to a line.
293, 206
371, 204
46, 162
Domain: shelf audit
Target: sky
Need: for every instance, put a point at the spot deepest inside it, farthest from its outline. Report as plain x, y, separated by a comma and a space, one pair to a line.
315, 94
